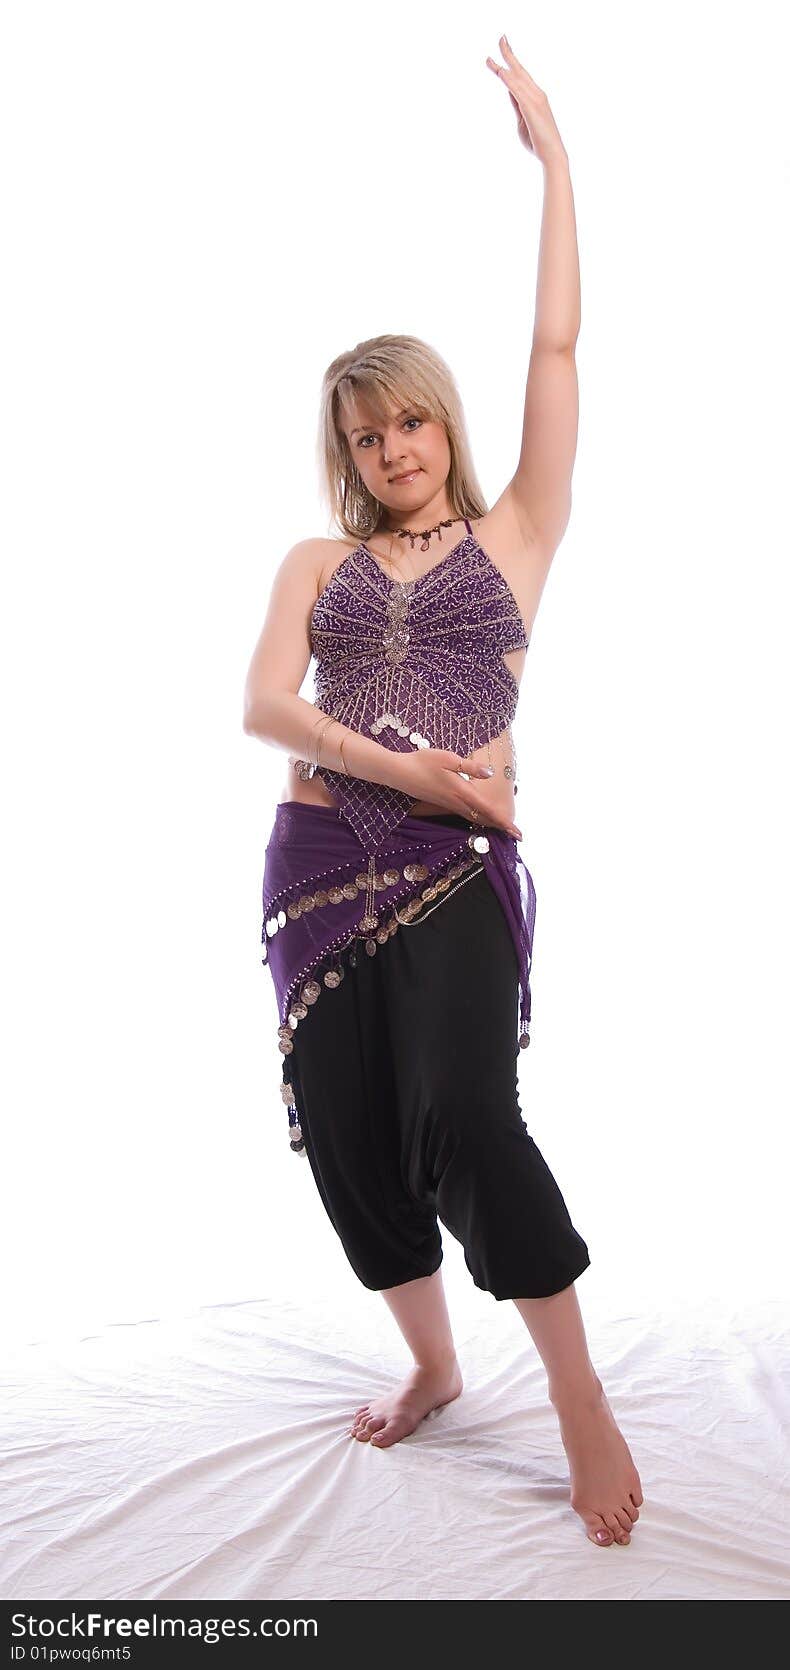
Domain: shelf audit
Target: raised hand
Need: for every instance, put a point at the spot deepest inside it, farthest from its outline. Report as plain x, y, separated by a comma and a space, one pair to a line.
537, 128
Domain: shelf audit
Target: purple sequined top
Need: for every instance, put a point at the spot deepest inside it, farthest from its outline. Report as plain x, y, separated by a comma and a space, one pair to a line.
413, 663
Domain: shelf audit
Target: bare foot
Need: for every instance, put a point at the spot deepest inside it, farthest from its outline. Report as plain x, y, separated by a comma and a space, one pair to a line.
395, 1414
605, 1487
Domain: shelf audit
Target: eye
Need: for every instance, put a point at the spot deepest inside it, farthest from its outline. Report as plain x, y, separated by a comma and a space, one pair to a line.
372, 437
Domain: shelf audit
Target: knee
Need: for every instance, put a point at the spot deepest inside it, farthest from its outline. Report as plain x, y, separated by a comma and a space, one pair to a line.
479, 1123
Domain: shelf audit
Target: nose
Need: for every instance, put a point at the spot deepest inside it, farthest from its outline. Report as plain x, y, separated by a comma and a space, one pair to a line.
391, 455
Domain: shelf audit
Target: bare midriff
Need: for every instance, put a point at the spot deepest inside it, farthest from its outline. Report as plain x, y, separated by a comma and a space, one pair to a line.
496, 793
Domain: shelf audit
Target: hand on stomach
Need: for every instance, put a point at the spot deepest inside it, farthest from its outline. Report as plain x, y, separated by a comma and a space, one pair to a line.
427, 773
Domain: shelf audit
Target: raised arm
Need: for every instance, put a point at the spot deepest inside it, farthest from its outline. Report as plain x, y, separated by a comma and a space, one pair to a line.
540, 490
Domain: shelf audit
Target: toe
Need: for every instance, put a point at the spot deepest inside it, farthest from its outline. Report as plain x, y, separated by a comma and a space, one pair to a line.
598, 1532
615, 1527
387, 1434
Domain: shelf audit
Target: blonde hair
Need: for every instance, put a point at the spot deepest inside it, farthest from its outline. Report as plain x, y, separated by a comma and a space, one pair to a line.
391, 372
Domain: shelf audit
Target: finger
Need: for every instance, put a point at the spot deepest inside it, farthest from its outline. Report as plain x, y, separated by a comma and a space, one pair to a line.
478, 768
507, 50
519, 87
518, 82
515, 63
485, 821
506, 71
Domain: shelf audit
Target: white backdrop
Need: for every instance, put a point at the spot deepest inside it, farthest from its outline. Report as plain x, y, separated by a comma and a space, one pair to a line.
203, 204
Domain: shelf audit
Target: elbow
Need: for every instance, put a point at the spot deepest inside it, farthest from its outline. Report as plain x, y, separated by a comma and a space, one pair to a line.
262, 715
254, 718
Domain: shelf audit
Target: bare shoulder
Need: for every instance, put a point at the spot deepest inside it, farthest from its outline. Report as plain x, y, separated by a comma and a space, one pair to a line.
306, 562
320, 556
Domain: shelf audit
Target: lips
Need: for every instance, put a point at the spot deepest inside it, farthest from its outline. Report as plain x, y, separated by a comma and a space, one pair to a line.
405, 476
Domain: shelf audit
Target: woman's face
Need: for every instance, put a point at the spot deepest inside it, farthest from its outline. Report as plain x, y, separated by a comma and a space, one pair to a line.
385, 449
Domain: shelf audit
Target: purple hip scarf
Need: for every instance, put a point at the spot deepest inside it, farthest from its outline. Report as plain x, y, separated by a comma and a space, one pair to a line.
326, 901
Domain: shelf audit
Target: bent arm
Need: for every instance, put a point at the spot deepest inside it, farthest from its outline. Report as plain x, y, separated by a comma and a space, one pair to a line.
273, 709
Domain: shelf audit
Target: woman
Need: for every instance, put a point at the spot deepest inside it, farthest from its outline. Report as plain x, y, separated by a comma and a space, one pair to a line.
398, 912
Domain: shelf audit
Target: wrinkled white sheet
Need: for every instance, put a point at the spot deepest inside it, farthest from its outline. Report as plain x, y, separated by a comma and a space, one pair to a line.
206, 1457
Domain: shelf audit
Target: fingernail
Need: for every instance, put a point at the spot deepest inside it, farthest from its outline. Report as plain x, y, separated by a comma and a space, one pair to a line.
488, 771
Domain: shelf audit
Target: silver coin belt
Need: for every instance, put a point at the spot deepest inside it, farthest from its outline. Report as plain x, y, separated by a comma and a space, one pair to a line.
370, 929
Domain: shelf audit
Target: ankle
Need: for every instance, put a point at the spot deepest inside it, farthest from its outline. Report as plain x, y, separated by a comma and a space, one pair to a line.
578, 1392
437, 1362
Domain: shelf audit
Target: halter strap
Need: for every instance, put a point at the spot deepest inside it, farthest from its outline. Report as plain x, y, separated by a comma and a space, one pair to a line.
469, 526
